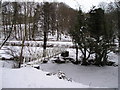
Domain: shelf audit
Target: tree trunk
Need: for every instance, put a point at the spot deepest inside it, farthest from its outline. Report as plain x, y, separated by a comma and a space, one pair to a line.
58, 35
76, 53
105, 57
44, 44
21, 54
84, 61
23, 40
119, 26
21, 32
98, 58
3, 18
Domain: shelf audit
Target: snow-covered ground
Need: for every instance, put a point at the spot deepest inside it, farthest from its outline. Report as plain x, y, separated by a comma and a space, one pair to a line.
89, 75
82, 76
32, 78
0, 78
29, 77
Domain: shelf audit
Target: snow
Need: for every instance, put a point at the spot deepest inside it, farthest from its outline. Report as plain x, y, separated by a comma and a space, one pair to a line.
82, 76
29, 77
89, 75
0, 77
48, 42
63, 37
29, 49
113, 57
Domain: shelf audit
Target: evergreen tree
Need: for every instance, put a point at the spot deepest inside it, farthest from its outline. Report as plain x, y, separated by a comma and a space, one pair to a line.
98, 31
118, 17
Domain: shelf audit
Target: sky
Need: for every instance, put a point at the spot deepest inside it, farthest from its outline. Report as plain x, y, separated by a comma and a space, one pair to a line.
85, 4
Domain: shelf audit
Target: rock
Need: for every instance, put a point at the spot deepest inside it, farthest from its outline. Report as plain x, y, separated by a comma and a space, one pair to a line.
45, 61
36, 66
3, 58
61, 75
110, 63
65, 54
59, 61
49, 74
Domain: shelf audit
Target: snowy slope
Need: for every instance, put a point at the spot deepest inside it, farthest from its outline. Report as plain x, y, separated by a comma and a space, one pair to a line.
0, 78
88, 75
29, 77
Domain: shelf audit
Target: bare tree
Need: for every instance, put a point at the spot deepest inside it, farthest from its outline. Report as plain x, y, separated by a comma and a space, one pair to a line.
46, 16
24, 34
8, 16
